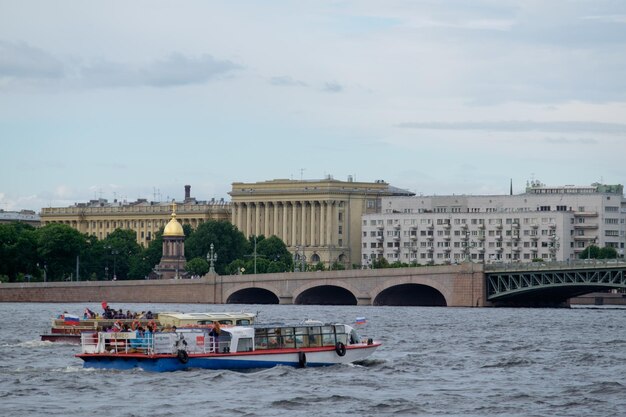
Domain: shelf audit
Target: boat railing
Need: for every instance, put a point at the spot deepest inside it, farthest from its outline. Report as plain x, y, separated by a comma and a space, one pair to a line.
152, 343
118, 342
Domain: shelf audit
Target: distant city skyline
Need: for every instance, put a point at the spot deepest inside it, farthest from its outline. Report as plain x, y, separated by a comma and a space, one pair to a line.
119, 100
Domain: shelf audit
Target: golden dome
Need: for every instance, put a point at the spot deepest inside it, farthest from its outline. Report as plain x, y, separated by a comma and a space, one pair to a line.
173, 228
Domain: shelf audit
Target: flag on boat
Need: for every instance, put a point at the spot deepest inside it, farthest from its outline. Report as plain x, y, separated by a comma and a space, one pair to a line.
71, 319
360, 320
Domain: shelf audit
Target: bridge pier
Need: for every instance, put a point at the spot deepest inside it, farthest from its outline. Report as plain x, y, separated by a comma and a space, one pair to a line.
363, 301
285, 300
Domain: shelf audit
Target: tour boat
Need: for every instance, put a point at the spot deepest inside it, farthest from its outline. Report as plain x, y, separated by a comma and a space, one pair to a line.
68, 328
310, 343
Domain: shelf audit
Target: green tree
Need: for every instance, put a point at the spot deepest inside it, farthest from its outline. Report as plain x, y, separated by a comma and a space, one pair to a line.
228, 242
18, 250
274, 251
608, 252
380, 263
119, 248
58, 246
590, 252
197, 266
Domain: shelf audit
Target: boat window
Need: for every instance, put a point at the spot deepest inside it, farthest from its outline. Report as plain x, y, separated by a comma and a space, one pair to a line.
288, 336
340, 333
315, 336
244, 344
274, 338
243, 322
328, 336
302, 337
260, 339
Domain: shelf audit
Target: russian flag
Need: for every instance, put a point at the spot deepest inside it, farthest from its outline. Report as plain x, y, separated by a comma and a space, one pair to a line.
71, 319
360, 320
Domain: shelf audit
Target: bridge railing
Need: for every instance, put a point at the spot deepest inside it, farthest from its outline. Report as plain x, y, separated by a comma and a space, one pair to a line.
539, 266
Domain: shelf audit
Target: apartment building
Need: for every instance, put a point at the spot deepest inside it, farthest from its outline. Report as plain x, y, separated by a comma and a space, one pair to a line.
549, 223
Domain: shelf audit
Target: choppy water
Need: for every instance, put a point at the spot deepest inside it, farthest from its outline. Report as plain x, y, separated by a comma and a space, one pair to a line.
434, 362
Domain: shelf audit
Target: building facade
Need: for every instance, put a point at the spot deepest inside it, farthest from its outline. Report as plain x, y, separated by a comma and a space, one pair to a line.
319, 220
100, 218
548, 223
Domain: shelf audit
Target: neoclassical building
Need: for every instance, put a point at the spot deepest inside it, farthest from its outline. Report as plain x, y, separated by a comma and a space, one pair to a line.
318, 219
100, 217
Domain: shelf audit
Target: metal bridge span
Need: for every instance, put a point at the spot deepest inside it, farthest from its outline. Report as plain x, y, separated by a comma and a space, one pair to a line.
550, 284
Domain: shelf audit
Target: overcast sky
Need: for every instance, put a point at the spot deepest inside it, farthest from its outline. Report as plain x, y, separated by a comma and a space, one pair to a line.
135, 99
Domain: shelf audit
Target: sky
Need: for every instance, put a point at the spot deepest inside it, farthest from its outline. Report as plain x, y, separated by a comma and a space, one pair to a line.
126, 100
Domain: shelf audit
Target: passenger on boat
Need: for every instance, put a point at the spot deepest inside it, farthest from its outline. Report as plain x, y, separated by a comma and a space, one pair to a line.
215, 335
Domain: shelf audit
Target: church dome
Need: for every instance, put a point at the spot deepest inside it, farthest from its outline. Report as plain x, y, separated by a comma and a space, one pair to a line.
173, 228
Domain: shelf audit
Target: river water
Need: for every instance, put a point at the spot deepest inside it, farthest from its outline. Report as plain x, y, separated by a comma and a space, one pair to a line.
433, 362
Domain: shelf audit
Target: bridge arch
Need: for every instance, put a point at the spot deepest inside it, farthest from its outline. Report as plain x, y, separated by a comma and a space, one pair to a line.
338, 293
411, 291
251, 295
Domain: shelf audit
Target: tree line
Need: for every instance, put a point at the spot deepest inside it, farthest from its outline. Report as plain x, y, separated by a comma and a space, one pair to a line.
53, 253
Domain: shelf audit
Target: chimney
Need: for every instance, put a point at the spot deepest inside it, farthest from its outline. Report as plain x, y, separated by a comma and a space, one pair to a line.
187, 192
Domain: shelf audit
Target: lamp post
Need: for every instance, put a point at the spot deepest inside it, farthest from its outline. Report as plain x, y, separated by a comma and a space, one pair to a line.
296, 258
45, 272
106, 273
211, 258
115, 253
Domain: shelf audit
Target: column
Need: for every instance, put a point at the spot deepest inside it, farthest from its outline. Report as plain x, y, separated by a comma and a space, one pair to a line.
233, 214
248, 220
257, 214
284, 234
322, 223
275, 213
267, 219
312, 234
240, 217
294, 219
329, 223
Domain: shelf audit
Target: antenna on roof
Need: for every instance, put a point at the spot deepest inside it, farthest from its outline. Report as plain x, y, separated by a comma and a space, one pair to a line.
302, 173
511, 190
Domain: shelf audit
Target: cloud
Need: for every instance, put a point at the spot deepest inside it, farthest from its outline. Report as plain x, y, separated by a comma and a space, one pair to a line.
520, 126
19, 60
286, 81
566, 141
332, 87
178, 69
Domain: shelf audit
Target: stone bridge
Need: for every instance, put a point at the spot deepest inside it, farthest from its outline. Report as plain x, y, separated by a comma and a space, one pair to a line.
453, 285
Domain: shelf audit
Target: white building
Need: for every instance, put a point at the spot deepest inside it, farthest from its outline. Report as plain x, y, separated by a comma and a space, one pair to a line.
551, 223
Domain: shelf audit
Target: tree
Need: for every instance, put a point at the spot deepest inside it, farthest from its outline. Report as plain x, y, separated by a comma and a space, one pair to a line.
18, 250
380, 263
590, 252
608, 252
119, 247
58, 246
274, 250
197, 266
228, 242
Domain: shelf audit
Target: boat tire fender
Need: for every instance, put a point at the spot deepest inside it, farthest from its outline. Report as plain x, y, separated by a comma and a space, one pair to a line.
302, 359
340, 348
182, 356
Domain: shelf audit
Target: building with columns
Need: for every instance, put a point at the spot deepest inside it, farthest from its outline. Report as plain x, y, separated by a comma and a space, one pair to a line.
317, 219
100, 217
